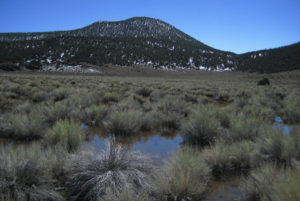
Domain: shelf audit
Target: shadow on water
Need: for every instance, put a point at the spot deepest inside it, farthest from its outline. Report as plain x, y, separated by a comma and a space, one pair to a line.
225, 190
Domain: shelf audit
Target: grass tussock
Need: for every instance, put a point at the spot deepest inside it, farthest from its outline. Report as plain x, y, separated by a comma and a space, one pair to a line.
92, 177
228, 159
124, 122
244, 128
94, 115
23, 127
272, 184
66, 133
291, 114
184, 176
283, 150
202, 128
25, 178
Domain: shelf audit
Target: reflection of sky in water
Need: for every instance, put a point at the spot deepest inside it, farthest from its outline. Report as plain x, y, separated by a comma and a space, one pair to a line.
149, 143
157, 146
282, 127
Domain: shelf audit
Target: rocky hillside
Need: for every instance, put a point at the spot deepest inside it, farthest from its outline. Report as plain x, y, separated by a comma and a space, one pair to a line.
142, 40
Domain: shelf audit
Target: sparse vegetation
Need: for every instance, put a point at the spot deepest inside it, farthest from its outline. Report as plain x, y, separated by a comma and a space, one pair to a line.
226, 118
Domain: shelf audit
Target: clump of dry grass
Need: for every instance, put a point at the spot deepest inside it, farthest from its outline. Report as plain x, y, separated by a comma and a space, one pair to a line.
24, 177
114, 169
23, 126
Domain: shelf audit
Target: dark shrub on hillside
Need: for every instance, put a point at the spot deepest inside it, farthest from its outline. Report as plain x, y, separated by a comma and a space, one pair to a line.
264, 81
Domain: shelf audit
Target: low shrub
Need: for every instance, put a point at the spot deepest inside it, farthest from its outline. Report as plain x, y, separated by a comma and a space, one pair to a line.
202, 128
271, 184
183, 177
110, 97
291, 112
145, 92
124, 122
244, 128
94, 115
280, 149
227, 159
39, 96
24, 178
258, 183
60, 94
67, 134
23, 127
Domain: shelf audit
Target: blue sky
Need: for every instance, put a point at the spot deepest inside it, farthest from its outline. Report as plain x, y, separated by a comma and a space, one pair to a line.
233, 25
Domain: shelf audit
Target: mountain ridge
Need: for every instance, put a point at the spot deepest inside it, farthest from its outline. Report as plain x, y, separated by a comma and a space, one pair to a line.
137, 40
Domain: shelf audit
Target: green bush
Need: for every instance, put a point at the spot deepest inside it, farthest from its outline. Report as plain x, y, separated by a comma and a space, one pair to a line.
202, 128
67, 134
226, 159
124, 122
184, 176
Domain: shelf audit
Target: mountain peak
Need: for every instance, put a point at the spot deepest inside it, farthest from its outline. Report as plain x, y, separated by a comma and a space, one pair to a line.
145, 27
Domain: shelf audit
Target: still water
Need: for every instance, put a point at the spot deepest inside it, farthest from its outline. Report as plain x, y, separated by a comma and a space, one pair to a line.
154, 144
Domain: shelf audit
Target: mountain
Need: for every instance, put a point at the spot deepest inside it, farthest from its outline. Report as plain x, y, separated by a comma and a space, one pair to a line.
138, 40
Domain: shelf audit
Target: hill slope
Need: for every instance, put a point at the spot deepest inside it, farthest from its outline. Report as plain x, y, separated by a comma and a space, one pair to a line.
137, 40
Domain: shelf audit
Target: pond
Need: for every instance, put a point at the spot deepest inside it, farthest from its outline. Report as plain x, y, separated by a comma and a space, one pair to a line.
157, 145
160, 147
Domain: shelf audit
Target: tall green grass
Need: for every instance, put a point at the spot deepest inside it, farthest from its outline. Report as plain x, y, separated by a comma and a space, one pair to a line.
184, 176
66, 133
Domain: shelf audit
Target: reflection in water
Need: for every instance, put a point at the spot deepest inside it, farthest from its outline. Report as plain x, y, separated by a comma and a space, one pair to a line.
148, 142
285, 130
4, 141
228, 190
